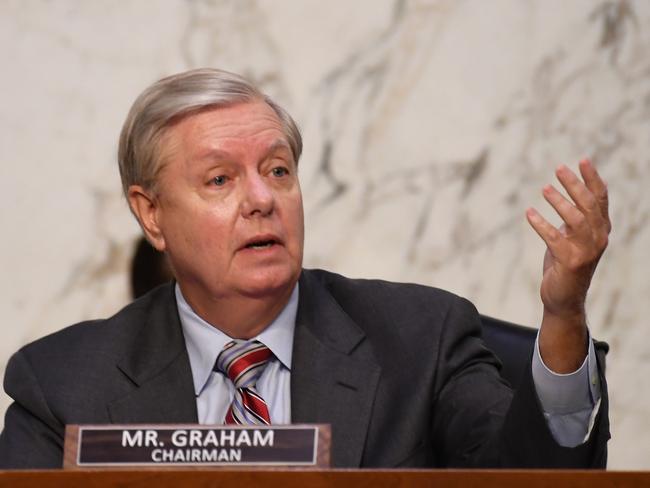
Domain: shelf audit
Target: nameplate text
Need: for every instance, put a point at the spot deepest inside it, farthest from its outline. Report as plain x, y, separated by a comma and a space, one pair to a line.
195, 445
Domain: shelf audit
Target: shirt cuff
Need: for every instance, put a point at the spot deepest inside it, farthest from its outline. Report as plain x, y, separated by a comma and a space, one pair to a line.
570, 401
561, 394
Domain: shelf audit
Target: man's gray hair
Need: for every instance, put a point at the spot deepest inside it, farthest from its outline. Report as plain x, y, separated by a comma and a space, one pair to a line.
173, 97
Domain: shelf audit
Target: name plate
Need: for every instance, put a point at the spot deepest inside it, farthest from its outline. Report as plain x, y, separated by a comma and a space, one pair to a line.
138, 446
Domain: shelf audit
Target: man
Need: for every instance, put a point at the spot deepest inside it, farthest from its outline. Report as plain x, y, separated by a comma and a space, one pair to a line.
209, 168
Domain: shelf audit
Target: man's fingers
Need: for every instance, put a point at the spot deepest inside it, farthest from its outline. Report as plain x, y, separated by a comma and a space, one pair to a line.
549, 234
584, 198
598, 187
573, 217
592, 205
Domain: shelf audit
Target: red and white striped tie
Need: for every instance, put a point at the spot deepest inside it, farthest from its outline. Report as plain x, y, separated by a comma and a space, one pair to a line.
244, 362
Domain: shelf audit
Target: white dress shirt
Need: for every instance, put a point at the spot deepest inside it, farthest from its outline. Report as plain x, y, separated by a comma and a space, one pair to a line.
214, 391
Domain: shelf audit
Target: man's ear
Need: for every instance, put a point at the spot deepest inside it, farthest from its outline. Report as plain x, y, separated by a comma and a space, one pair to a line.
145, 206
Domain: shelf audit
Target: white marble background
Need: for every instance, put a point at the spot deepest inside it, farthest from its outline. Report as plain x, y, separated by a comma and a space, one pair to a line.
429, 126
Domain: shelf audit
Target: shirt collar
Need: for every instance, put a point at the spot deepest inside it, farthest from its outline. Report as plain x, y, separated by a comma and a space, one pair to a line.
204, 342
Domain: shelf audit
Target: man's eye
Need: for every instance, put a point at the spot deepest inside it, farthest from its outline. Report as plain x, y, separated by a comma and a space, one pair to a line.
220, 180
280, 171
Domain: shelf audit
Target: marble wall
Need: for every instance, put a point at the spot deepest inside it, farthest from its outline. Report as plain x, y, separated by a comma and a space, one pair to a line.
430, 125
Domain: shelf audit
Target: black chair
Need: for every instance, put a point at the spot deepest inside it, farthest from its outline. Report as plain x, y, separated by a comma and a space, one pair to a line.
513, 345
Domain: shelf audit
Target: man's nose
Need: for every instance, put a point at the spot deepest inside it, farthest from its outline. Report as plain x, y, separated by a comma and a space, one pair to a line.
258, 198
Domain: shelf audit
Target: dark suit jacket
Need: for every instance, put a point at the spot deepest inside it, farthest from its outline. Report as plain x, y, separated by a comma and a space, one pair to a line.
399, 371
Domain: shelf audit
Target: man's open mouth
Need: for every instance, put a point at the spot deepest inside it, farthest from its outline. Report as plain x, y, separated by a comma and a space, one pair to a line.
261, 244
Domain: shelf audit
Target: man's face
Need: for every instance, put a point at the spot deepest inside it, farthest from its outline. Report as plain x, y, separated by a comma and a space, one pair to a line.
229, 205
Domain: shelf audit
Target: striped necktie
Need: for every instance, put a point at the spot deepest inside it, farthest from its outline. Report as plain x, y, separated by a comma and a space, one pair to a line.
244, 362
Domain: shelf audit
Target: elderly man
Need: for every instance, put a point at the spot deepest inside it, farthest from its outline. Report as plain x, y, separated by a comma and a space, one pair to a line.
209, 167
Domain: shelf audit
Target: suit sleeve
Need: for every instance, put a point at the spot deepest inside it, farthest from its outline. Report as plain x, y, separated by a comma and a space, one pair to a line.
479, 421
32, 436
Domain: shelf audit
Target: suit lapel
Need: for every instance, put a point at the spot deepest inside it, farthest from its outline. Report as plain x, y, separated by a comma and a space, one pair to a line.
334, 374
158, 366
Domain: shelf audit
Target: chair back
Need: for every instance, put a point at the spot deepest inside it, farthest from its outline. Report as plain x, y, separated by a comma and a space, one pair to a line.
513, 345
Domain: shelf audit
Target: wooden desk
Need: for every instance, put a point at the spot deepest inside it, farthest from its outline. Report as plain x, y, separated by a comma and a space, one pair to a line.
327, 478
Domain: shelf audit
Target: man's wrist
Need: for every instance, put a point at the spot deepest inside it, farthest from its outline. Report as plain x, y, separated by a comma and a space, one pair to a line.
563, 341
